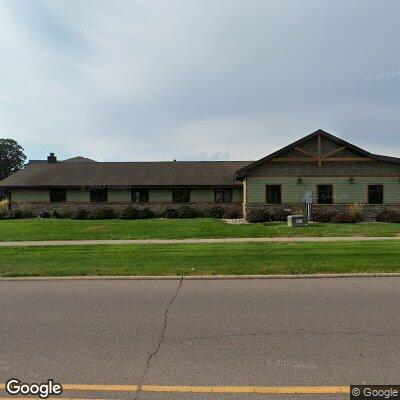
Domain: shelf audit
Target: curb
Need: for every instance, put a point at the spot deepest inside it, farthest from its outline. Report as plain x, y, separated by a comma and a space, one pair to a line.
201, 277
291, 239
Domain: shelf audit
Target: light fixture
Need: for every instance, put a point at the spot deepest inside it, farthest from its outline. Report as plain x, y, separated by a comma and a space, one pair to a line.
299, 180
352, 181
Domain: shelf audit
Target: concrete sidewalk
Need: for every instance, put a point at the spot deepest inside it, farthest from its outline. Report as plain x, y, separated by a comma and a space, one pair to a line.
193, 241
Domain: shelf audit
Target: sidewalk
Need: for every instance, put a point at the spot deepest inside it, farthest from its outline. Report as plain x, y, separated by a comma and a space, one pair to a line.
193, 241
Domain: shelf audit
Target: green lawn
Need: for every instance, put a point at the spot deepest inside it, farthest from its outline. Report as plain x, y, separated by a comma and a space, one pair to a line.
53, 229
210, 259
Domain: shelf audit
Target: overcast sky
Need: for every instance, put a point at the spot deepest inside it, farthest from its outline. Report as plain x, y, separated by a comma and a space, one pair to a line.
197, 79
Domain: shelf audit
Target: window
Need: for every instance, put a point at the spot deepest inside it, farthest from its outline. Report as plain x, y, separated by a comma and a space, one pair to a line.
58, 195
223, 195
325, 194
375, 194
180, 195
273, 194
98, 195
140, 195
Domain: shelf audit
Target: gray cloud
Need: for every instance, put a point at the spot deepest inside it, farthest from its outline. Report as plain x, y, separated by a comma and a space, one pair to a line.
204, 79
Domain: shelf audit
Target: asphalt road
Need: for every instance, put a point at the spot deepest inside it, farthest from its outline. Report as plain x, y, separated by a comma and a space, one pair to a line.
318, 332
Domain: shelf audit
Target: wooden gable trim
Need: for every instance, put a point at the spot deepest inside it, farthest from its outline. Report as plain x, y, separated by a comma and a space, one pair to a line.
306, 152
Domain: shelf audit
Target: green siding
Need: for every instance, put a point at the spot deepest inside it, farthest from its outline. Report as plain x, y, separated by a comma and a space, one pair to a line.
20, 195
122, 196
344, 192
78, 195
202, 195
237, 195
160, 195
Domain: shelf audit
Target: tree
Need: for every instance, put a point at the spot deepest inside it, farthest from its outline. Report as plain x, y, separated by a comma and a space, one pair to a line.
12, 157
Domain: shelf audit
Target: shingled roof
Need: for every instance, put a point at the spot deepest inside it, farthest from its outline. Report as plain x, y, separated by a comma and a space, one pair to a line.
125, 174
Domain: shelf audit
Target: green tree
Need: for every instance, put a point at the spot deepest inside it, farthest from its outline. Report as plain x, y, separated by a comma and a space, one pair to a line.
12, 157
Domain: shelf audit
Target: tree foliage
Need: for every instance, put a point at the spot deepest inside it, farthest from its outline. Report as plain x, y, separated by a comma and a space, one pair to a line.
12, 157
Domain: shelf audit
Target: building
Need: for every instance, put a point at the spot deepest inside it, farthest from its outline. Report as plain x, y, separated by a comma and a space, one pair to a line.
336, 172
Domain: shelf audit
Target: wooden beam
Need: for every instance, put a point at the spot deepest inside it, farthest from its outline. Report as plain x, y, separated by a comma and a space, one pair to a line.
306, 152
283, 159
331, 153
348, 159
319, 150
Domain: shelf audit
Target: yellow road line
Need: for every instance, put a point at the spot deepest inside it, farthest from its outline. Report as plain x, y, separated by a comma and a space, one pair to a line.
210, 389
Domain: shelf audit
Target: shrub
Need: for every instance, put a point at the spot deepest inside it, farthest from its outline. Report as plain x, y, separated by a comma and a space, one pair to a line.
323, 216
129, 213
54, 213
188, 212
102, 213
26, 210
264, 215
232, 213
4, 212
146, 213
170, 213
65, 213
356, 213
16, 214
215, 212
81, 213
389, 216
44, 214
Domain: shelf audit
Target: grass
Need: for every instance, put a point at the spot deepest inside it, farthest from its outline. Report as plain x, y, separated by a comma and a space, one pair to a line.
59, 229
198, 259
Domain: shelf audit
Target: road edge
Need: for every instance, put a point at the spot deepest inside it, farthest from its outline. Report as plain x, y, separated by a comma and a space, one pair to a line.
200, 277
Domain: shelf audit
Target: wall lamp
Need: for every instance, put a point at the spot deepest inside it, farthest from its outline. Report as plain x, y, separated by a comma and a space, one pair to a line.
352, 181
299, 180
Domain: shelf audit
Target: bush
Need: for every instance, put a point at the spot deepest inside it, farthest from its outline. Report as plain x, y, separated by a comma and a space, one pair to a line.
356, 213
4, 212
54, 213
323, 216
26, 210
264, 215
44, 214
145, 213
188, 212
170, 213
102, 213
215, 212
65, 213
232, 213
81, 213
129, 213
389, 216
16, 214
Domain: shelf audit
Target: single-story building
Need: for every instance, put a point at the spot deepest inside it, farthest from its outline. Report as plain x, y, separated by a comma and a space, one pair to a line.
336, 172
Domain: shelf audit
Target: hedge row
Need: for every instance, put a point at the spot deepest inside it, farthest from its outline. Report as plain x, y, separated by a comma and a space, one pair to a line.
125, 213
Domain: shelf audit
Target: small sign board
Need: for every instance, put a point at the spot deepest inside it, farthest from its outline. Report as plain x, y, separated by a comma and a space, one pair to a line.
297, 220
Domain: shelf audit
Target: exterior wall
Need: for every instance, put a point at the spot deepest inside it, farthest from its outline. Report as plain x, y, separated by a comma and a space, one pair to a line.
237, 195
202, 195
28, 195
119, 196
160, 195
344, 192
343, 168
77, 195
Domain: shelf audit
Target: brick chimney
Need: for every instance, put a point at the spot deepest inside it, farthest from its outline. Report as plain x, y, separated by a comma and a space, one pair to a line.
51, 158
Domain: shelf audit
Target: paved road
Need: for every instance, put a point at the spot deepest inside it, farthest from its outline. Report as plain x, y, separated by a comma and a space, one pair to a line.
39, 243
319, 332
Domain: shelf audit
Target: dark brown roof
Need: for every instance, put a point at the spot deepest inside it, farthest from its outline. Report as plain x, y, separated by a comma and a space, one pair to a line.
79, 159
126, 174
241, 173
